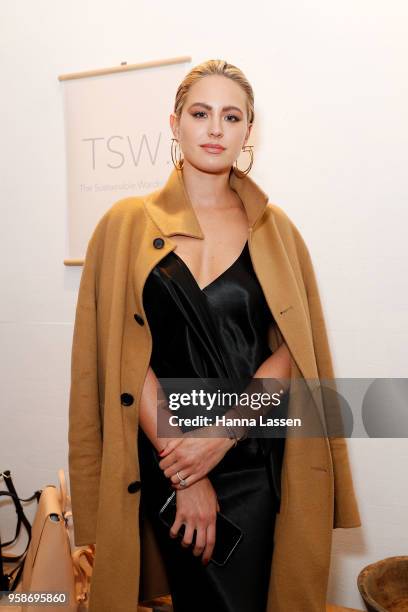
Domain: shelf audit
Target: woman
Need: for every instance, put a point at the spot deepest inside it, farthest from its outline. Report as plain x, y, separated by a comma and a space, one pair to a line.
201, 278
209, 318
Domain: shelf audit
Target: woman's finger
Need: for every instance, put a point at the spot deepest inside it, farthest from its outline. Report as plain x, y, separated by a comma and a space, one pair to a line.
183, 466
191, 479
176, 480
200, 540
179, 466
175, 462
210, 543
170, 462
188, 535
174, 529
169, 447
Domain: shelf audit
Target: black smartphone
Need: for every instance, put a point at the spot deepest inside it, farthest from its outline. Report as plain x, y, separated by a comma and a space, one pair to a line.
227, 537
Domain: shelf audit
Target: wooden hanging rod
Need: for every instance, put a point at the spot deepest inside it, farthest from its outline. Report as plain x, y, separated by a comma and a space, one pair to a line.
124, 67
74, 262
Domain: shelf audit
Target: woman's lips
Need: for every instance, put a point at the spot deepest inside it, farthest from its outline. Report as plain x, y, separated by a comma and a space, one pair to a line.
211, 149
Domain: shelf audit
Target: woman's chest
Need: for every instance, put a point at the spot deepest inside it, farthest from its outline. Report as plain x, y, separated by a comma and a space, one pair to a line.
226, 233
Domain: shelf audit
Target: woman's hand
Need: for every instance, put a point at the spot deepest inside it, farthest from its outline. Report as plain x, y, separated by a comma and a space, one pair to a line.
197, 508
165, 442
192, 457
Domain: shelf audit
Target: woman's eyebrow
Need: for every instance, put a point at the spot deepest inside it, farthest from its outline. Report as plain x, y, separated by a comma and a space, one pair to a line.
208, 107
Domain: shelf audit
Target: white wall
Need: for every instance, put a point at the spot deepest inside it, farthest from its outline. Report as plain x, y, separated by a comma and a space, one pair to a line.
330, 140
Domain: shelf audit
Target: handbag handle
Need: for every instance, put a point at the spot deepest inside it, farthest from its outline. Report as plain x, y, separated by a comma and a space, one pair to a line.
6, 579
21, 517
82, 575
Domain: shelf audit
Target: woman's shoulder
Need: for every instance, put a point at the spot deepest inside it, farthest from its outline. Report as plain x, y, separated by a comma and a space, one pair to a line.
286, 226
116, 227
277, 212
124, 211
126, 207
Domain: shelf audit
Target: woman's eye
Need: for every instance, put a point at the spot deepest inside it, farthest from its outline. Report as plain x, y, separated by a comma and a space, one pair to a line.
235, 118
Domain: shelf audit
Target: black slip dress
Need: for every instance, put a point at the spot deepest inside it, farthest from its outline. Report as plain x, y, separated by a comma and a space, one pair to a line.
217, 331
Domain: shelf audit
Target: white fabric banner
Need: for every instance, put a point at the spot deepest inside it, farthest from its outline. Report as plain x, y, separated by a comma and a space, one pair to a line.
118, 142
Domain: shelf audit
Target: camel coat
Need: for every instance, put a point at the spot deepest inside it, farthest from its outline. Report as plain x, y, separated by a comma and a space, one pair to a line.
110, 356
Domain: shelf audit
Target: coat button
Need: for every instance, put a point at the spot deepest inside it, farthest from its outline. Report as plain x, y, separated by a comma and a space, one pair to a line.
158, 243
126, 399
134, 486
139, 319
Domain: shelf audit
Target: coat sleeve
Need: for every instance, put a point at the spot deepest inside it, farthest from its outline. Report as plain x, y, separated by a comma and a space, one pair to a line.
84, 432
346, 512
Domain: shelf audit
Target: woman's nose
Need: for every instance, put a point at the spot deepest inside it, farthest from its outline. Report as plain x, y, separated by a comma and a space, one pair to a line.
215, 128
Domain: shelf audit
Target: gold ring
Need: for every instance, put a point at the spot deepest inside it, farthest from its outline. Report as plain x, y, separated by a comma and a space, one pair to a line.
183, 482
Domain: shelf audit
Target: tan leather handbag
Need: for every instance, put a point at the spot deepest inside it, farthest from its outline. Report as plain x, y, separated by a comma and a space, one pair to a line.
52, 563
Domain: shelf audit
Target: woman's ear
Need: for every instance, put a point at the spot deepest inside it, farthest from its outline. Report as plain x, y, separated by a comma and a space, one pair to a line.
174, 125
248, 133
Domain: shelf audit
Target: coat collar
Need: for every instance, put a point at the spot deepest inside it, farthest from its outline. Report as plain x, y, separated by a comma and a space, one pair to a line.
172, 211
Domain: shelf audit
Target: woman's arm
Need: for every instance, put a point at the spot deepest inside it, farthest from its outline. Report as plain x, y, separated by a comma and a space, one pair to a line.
276, 365
151, 410
197, 505
277, 368
197, 455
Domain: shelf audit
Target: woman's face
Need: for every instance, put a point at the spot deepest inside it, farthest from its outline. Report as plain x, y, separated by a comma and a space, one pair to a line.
214, 112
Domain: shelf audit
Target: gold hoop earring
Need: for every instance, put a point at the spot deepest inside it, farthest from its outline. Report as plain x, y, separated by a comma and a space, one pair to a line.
177, 163
248, 149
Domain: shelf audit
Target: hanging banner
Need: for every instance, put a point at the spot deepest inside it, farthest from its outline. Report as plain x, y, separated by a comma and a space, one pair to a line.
118, 139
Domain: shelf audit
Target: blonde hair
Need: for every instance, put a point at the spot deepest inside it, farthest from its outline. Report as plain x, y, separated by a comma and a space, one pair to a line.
210, 67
